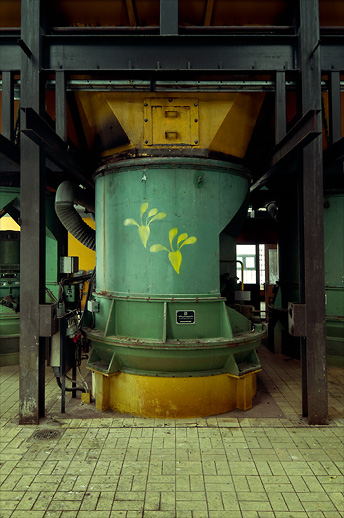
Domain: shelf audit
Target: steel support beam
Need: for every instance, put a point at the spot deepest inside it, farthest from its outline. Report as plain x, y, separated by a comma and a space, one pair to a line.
142, 53
302, 133
7, 119
36, 129
32, 236
168, 17
61, 106
85, 52
335, 107
280, 108
311, 225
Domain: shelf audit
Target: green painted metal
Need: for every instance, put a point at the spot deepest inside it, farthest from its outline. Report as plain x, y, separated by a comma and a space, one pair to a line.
157, 258
194, 196
10, 275
288, 290
334, 272
9, 297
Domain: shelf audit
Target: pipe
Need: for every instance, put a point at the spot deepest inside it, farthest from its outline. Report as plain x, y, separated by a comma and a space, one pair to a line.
65, 198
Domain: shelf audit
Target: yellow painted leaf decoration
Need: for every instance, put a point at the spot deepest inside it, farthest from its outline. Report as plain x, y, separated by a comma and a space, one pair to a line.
161, 215
175, 259
175, 256
190, 241
144, 232
181, 238
152, 212
158, 248
130, 221
171, 235
143, 208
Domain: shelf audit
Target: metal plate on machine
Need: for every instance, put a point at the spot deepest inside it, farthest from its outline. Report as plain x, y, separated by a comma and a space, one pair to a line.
171, 122
185, 316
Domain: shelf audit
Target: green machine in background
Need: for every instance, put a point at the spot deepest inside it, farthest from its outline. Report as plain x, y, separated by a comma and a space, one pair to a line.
288, 289
10, 270
334, 275
9, 297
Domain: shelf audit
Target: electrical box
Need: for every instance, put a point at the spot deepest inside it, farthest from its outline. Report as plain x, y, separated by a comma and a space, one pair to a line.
70, 293
93, 306
69, 264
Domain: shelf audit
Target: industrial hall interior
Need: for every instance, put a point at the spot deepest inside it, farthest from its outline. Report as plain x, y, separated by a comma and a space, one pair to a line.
172, 258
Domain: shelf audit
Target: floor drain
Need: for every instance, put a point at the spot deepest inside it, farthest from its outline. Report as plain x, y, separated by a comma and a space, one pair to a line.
43, 435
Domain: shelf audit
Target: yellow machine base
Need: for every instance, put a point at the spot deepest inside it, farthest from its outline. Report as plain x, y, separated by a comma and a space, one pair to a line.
147, 396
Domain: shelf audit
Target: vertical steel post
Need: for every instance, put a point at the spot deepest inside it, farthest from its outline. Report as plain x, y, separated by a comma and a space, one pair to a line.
280, 108
61, 105
312, 275
32, 240
7, 105
168, 17
334, 105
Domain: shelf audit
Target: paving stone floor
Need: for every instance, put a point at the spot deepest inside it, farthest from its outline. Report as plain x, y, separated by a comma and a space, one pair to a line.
110, 465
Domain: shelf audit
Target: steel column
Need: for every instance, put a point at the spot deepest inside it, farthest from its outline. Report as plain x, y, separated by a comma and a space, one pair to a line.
311, 223
7, 105
280, 108
32, 240
168, 17
61, 106
335, 109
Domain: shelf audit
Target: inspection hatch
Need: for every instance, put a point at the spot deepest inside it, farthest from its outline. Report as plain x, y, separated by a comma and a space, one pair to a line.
44, 435
171, 122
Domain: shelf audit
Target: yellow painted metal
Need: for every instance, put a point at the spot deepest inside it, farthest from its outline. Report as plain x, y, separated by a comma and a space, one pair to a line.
160, 397
170, 122
220, 122
86, 398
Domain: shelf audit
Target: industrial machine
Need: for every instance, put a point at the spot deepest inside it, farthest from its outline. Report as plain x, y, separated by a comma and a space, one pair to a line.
9, 297
163, 342
288, 287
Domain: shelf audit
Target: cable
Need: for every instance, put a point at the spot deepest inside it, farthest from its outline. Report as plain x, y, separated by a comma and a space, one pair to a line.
73, 389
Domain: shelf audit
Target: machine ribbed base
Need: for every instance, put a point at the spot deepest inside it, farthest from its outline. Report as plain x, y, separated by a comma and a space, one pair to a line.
162, 397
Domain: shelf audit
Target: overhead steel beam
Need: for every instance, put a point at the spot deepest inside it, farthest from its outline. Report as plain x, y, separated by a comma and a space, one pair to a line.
182, 53
35, 128
231, 52
302, 133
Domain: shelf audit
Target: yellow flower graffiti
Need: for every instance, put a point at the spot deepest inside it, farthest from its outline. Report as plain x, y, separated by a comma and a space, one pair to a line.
144, 230
175, 256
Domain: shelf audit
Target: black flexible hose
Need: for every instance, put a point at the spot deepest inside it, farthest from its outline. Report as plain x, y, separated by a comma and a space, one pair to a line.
70, 218
74, 389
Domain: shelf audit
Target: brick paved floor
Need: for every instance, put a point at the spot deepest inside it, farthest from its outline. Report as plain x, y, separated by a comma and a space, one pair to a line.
116, 466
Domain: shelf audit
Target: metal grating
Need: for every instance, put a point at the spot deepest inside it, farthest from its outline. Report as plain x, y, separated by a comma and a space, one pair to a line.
43, 435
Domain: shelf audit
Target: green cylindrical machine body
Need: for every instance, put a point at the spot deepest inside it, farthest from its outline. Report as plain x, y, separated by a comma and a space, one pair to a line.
160, 312
193, 196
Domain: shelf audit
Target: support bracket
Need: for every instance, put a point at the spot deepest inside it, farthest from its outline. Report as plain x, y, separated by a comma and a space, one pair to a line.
37, 129
297, 323
301, 134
